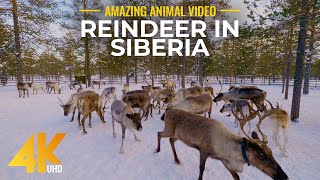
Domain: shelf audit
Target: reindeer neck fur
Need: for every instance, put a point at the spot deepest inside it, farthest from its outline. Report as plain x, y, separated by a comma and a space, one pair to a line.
231, 155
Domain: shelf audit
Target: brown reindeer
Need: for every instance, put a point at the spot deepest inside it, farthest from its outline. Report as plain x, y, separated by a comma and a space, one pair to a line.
88, 104
139, 99
214, 140
181, 94
97, 83
256, 95
209, 90
195, 104
72, 104
23, 87
164, 95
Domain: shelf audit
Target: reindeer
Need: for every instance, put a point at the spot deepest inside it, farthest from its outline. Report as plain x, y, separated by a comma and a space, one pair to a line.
106, 95
279, 119
256, 95
159, 95
139, 99
53, 86
125, 115
195, 104
169, 84
23, 87
214, 140
97, 83
80, 89
72, 104
73, 84
125, 88
149, 88
88, 104
36, 87
181, 94
209, 90
207, 82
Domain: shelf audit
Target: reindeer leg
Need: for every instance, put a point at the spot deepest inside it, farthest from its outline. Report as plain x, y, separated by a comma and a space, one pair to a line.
90, 117
123, 138
158, 104
203, 159
146, 113
159, 140
114, 134
101, 115
150, 109
232, 172
82, 122
74, 111
28, 92
172, 141
79, 120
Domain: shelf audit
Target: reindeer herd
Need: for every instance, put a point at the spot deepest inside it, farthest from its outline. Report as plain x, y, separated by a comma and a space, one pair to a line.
183, 118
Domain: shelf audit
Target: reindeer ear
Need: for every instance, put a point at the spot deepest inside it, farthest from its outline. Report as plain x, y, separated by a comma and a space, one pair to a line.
130, 116
254, 135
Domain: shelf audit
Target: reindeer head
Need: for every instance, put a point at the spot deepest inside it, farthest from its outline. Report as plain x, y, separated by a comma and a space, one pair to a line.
218, 98
226, 107
136, 120
260, 155
170, 97
66, 107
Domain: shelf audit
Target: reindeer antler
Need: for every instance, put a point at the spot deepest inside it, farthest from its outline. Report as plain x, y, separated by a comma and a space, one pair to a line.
266, 113
242, 121
148, 83
60, 100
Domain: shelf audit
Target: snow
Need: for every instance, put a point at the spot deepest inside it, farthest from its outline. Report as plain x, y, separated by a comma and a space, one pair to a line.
96, 155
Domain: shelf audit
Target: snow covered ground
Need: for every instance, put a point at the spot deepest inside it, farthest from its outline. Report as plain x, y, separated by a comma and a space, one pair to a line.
96, 155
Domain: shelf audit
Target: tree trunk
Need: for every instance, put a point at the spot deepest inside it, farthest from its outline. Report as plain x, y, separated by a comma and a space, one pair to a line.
289, 60
17, 40
295, 109
283, 78
87, 60
309, 59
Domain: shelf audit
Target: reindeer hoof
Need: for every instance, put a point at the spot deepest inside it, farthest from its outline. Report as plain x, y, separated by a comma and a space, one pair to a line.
84, 133
138, 140
89, 125
71, 120
114, 136
156, 150
103, 122
177, 162
121, 152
